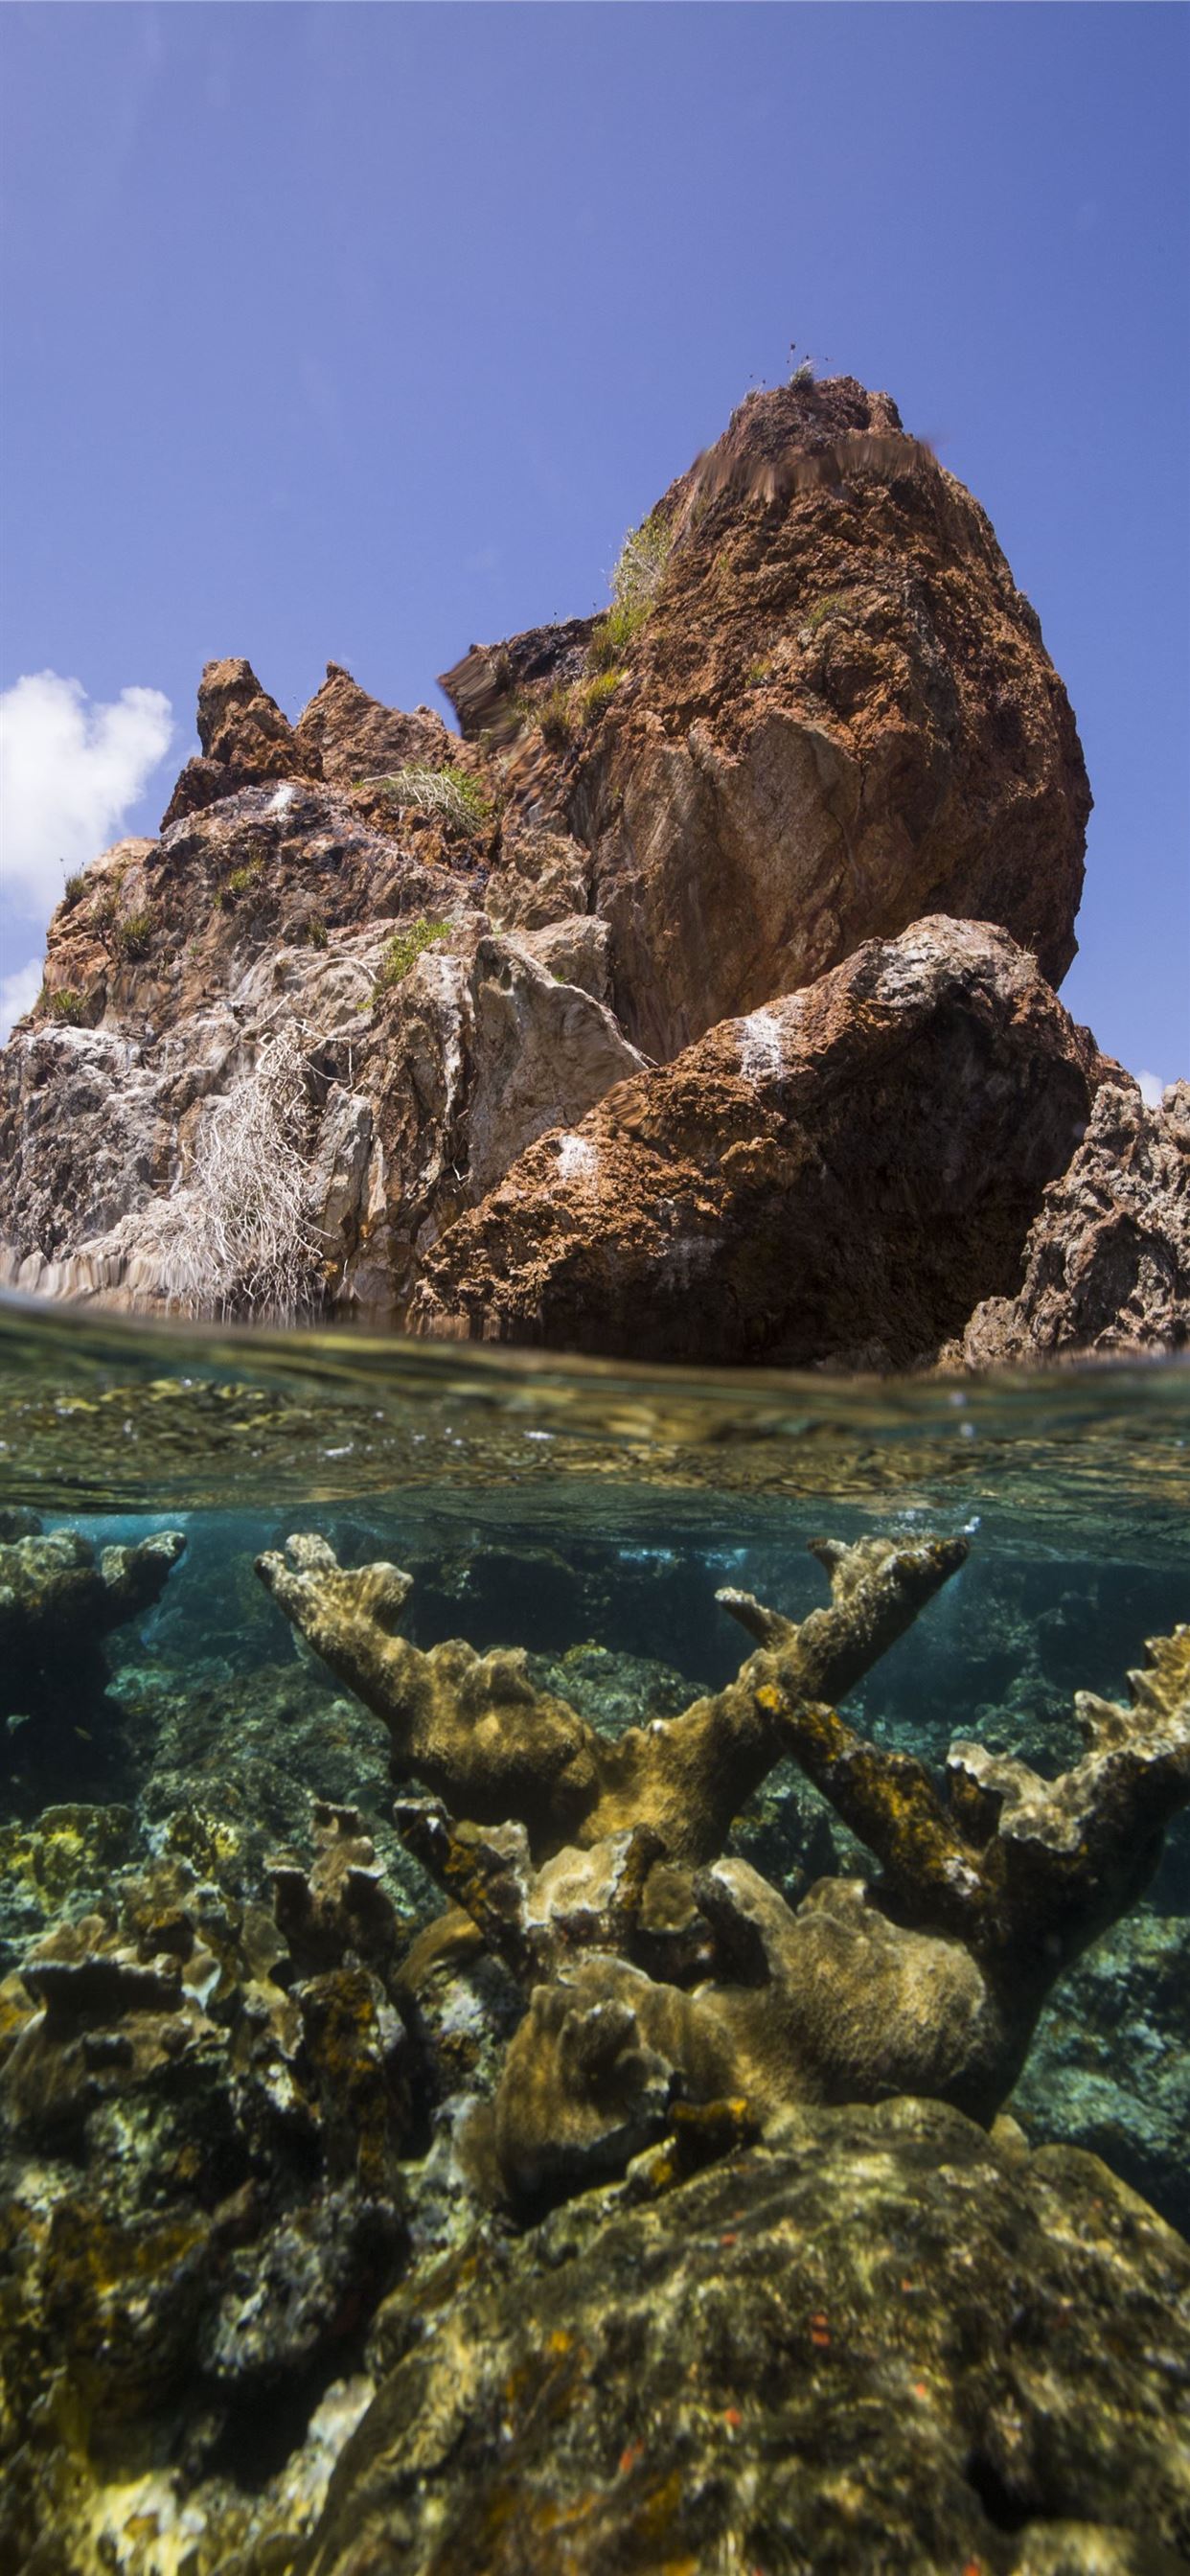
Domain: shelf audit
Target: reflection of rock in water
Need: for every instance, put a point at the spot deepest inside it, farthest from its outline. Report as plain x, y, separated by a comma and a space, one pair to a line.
260, 2156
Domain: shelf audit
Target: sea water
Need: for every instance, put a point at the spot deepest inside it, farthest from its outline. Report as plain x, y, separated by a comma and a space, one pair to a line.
589, 1513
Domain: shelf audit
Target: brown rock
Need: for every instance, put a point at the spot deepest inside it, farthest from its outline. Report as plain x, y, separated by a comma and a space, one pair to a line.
837, 717
483, 688
245, 740
344, 735
240, 725
1107, 1261
830, 1179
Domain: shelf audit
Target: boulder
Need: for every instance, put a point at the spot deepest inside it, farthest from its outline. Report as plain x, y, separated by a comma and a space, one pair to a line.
830, 1179
871, 2348
479, 1050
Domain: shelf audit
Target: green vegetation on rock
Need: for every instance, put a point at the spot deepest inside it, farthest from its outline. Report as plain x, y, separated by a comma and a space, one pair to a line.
403, 949
451, 793
66, 1004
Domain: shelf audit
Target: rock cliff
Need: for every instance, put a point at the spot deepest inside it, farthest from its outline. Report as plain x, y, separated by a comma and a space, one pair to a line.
789, 841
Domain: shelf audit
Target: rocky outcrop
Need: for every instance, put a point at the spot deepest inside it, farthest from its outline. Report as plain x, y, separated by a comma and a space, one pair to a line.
344, 735
831, 1178
245, 740
431, 1052
1107, 1260
837, 715
817, 714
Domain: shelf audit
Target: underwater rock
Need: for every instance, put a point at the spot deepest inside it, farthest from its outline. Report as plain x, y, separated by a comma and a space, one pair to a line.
869, 2348
1109, 2067
57, 1596
474, 1730
69, 1854
200, 2158
838, 1178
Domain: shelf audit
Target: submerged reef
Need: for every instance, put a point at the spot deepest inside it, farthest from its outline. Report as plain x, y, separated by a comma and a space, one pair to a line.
628, 2214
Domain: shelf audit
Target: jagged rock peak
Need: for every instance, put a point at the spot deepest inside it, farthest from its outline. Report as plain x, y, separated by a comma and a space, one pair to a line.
245, 740
343, 734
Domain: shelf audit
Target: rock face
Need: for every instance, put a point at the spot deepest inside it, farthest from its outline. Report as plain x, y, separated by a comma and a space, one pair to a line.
830, 1178
817, 714
344, 735
427, 1070
1107, 1261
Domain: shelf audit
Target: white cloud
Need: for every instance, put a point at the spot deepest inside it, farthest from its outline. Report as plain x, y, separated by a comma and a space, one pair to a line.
17, 995
1151, 1088
69, 771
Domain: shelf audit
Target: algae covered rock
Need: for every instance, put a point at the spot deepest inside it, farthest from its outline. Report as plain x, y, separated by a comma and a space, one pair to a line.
867, 2348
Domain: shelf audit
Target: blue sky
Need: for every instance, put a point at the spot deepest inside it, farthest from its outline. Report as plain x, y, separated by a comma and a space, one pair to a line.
364, 331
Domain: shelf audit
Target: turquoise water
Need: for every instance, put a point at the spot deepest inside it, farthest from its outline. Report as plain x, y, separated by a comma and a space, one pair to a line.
588, 1514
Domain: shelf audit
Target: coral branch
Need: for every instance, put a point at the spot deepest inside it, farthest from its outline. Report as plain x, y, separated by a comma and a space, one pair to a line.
474, 1730
651, 1985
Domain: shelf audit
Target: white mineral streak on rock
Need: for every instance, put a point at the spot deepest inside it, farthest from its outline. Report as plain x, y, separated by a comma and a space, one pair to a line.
578, 1159
281, 802
762, 1046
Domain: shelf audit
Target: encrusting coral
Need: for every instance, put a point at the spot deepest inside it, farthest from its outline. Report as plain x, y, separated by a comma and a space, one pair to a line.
659, 1974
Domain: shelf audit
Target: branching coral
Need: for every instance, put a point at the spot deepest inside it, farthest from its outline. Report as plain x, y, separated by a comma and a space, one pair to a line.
658, 1974
474, 1730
